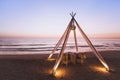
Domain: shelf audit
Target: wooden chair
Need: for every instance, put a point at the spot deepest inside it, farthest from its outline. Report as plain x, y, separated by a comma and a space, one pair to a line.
73, 58
80, 58
66, 59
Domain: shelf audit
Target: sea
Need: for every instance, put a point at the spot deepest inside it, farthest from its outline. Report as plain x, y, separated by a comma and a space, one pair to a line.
46, 45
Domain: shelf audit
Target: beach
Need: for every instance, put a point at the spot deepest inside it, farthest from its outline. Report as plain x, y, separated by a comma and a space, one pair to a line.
37, 67
83, 35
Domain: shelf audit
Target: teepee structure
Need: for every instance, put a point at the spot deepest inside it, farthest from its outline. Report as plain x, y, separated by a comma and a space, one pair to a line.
72, 26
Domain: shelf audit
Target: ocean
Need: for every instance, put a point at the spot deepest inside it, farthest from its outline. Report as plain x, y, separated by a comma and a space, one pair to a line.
46, 45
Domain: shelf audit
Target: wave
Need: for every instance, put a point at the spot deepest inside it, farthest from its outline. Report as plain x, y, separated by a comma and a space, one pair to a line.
40, 46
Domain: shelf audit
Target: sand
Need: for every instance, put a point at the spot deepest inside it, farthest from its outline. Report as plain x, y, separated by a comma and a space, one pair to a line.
37, 67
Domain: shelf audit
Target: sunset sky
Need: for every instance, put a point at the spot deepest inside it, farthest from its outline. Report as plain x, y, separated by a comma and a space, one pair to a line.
49, 18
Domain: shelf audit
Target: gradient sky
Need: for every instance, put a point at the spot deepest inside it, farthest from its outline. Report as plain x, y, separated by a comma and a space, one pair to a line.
49, 18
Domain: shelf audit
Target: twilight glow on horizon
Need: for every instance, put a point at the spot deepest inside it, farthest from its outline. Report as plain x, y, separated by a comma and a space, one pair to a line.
49, 18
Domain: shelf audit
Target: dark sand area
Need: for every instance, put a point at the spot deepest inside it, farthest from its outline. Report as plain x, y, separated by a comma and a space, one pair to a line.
37, 67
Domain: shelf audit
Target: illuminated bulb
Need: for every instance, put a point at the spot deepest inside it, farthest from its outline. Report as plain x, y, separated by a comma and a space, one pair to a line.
51, 59
58, 73
100, 69
106, 66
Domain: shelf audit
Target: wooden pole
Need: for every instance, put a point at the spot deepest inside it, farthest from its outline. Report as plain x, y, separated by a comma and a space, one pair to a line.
92, 47
61, 39
62, 50
57, 45
75, 40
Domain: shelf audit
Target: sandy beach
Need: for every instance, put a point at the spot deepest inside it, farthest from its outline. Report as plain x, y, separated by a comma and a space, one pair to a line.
37, 67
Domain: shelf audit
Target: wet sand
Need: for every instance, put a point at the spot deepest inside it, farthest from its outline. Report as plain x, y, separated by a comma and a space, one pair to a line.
37, 67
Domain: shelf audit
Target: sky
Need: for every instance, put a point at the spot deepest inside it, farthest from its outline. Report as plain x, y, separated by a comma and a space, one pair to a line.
49, 18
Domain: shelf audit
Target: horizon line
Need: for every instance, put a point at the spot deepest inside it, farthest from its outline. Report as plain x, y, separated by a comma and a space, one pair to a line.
97, 36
